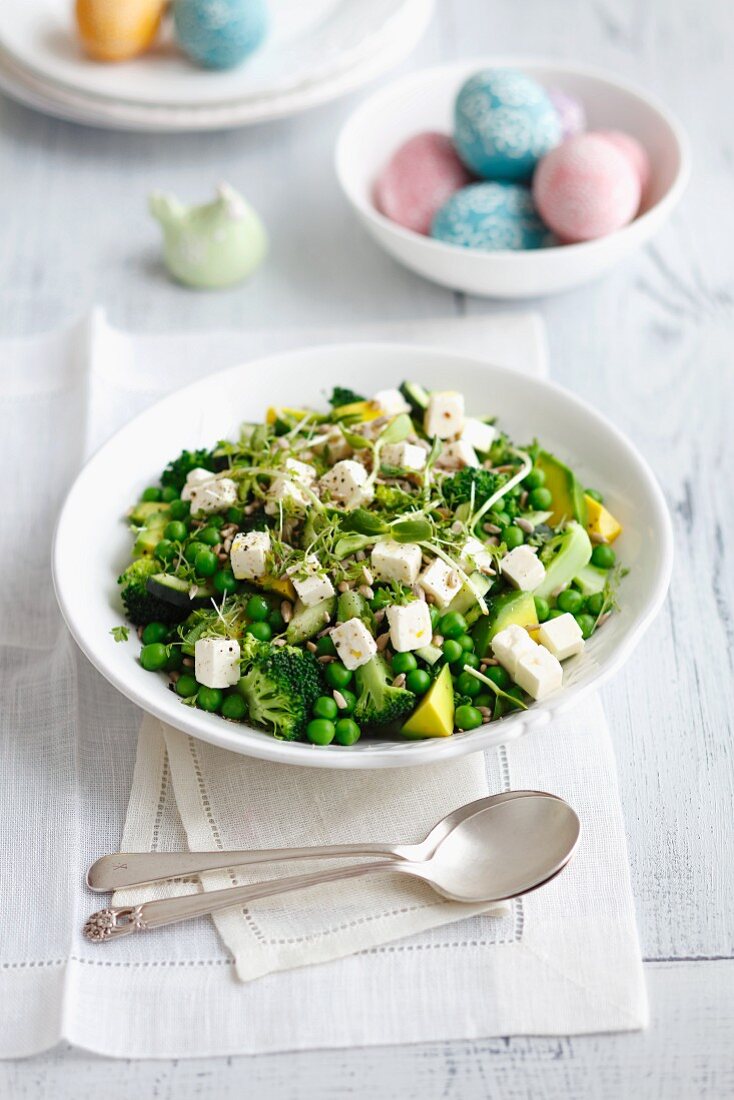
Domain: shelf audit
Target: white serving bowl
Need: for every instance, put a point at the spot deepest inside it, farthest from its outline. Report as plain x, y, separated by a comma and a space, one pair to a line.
425, 100
213, 408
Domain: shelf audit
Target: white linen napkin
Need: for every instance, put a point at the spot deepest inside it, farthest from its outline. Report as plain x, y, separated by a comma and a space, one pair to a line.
564, 960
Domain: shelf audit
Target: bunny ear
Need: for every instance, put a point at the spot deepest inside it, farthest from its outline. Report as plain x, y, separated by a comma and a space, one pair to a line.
165, 208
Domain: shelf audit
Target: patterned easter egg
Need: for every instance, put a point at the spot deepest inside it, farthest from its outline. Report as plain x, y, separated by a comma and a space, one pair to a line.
492, 217
112, 30
635, 153
504, 123
570, 110
417, 180
586, 188
219, 34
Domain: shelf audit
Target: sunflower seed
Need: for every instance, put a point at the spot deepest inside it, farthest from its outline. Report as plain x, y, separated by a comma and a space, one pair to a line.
367, 575
311, 647
525, 525
485, 712
344, 586
188, 662
399, 680
326, 659
286, 610
366, 591
382, 641
380, 615
339, 699
437, 640
491, 528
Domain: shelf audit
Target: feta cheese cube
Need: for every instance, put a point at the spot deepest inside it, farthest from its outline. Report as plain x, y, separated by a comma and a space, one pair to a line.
285, 491
332, 445
213, 496
478, 435
354, 643
475, 555
301, 471
405, 455
310, 581
391, 402
522, 569
195, 477
248, 555
440, 582
538, 672
510, 644
456, 455
444, 416
395, 561
561, 636
217, 662
410, 626
346, 482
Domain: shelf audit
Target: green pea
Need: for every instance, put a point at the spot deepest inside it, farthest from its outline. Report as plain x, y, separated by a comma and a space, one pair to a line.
175, 659
155, 632
452, 625
175, 530
206, 563
404, 662
468, 684
541, 499
257, 609
595, 495
153, 657
499, 676
180, 509
325, 707
587, 624
235, 515
484, 699
325, 646
554, 613
570, 600
467, 718
466, 642
501, 519
224, 582
215, 521
595, 603
471, 660
195, 547
337, 675
186, 686
209, 536
350, 699
262, 631
418, 681
603, 556
535, 479
542, 608
151, 494
234, 707
276, 621
320, 731
347, 732
452, 651
165, 550
512, 537
209, 699
169, 494
515, 693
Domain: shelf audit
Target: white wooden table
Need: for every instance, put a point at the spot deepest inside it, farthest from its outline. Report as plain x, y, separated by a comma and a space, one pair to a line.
651, 345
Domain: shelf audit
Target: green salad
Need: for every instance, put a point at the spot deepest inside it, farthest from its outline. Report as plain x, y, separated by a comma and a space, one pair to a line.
389, 566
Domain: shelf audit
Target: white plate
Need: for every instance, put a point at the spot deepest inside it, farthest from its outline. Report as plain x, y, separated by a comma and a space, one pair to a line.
260, 97
213, 408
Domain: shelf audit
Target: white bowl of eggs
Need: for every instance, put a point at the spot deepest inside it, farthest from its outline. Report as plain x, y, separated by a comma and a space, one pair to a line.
511, 178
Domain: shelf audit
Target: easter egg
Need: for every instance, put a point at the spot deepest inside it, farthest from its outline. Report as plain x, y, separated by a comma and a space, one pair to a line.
504, 123
113, 30
586, 188
492, 217
634, 151
418, 179
570, 111
219, 34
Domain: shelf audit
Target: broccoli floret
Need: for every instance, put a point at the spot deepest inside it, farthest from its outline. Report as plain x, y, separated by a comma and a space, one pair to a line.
378, 702
176, 472
342, 396
141, 606
457, 489
280, 688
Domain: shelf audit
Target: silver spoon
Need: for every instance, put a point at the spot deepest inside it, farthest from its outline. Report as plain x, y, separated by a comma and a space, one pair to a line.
115, 872
506, 849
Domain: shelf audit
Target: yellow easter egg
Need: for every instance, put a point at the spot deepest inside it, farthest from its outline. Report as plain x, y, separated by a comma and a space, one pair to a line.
112, 30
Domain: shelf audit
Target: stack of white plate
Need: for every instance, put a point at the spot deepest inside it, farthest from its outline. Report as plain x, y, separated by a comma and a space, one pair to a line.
317, 50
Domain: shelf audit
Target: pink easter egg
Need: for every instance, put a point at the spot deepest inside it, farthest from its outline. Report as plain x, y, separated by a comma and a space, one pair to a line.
585, 188
418, 179
635, 153
570, 110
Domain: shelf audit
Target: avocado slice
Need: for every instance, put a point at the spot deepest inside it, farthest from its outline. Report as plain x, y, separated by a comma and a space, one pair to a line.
149, 537
564, 557
144, 511
465, 600
591, 580
434, 715
568, 496
600, 522
308, 621
509, 609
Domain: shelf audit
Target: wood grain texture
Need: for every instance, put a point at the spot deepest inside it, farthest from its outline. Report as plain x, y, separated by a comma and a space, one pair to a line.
651, 345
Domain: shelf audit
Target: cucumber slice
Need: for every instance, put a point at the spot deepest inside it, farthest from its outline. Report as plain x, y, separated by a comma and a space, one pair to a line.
416, 396
429, 653
466, 598
308, 621
178, 592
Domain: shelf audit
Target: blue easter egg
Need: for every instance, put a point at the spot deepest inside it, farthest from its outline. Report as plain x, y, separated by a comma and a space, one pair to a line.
219, 34
492, 217
504, 122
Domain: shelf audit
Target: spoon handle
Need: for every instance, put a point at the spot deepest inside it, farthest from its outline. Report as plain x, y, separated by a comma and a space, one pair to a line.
121, 921
114, 872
